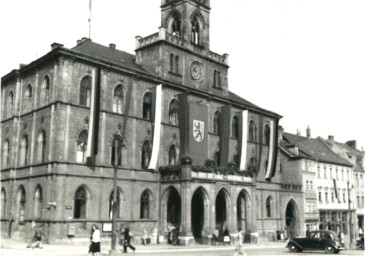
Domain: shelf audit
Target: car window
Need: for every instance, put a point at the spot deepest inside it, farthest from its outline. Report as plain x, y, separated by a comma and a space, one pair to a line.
315, 235
323, 235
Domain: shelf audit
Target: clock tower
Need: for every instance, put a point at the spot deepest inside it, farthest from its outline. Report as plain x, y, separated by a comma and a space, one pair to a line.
180, 51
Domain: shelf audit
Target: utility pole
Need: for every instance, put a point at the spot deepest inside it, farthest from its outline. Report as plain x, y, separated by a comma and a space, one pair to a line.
350, 217
114, 208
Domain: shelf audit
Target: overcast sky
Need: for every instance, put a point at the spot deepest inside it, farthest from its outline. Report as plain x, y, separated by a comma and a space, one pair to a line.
303, 59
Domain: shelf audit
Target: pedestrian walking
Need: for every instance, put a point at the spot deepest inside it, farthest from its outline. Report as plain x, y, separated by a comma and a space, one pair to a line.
94, 248
37, 239
33, 236
127, 240
239, 248
215, 236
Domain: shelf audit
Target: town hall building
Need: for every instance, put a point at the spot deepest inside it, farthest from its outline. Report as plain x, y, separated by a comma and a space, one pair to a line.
189, 152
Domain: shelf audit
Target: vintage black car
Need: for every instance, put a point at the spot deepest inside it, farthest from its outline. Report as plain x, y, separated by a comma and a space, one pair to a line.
317, 240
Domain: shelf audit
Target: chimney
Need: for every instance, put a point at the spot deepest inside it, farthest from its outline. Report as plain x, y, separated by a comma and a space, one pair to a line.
298, 132
21, 65
351, 143
112, 46
83, 40
281, 133
308, 132
56, 45
331, 139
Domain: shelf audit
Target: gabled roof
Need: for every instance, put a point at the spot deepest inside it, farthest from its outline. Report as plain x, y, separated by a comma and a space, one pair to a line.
294, 139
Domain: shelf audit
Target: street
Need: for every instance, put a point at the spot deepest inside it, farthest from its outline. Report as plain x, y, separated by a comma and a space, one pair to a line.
181, 251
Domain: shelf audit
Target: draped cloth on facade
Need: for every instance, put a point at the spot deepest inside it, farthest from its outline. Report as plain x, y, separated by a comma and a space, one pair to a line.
183, 115
271, 165
225, 127
243, 130
156, 127
93, 134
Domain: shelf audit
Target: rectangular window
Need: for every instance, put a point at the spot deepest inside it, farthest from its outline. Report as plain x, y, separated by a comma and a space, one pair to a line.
320, 197
319, 171
331, 174
325, 172
342, 174
333, 197
326, 196
344, 197
311, 185
306, 185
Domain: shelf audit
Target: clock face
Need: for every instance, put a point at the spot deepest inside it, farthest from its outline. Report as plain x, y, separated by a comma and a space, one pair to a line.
196, 70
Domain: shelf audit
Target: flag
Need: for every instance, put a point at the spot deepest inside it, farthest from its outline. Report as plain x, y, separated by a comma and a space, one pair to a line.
243, 123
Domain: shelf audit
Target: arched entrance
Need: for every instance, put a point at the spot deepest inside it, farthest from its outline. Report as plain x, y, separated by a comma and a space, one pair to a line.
199, 213
174, 208
292, 220
222, 213
243, 213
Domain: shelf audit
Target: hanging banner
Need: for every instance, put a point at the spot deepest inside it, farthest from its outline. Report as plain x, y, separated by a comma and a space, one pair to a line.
269, 169
156, 128
89, 147
243, 139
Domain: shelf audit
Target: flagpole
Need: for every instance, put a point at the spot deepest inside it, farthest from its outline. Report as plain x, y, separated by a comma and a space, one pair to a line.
90, 19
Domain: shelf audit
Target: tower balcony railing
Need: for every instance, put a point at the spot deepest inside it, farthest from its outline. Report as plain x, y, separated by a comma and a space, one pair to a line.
163, 35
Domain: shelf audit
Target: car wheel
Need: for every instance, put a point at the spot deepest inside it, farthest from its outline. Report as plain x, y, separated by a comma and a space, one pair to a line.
329, 248
293, 248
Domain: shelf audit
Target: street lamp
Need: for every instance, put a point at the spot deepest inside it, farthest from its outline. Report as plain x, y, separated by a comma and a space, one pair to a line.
117, 144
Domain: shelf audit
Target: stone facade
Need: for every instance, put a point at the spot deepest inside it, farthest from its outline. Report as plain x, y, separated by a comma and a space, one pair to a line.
47, 177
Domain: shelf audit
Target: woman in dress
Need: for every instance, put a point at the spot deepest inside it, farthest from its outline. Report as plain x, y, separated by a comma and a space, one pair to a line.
94, 248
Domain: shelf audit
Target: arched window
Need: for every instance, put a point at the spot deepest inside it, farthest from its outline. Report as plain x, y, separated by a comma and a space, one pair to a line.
195, 30
10, 104
172, 155
145, 205
217, 158
171, 62
28, 93
117, 205
146, 155
173, 111
24, 151
6, 154
80, 203
267, 135
269, 207
176, 64
41, 147
147, 106
81, 147
236, 159
120, 147
216, 123
21, 201
3, 203
118, 100
217, 83
252, 132
85, 91
38, 198
45, 90
252, 164
235, 127
175, 25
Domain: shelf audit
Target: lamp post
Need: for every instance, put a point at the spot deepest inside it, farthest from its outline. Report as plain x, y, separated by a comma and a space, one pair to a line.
116, 142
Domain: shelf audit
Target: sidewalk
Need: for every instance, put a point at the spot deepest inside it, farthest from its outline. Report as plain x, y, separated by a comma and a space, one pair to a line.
13, 247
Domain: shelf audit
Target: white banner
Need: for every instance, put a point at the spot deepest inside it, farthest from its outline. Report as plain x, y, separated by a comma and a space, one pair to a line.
157, 128
271, 152
92, 114
243, 152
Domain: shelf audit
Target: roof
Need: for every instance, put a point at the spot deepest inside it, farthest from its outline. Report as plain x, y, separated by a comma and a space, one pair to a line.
320, 150
112, 55
317, 148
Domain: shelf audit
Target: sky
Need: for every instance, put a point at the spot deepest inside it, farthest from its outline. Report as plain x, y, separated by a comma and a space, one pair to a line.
303, 59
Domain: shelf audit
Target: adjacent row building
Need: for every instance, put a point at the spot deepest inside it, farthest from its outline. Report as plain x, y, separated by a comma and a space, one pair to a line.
188, 151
